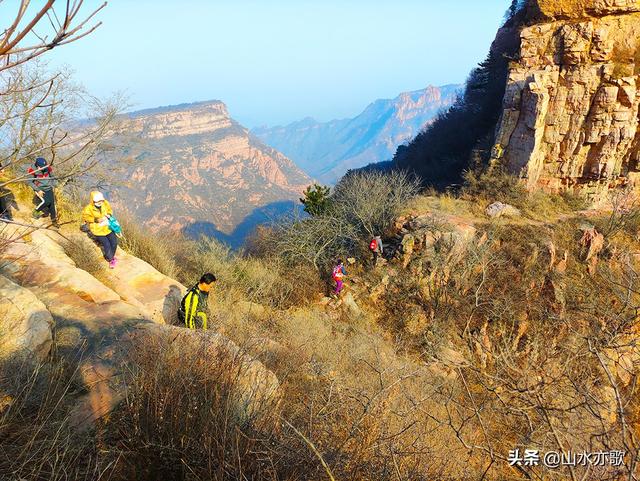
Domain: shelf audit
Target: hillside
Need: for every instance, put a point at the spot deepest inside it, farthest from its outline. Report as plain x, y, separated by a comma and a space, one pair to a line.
507, 317
492, 335
326, 150
193, 168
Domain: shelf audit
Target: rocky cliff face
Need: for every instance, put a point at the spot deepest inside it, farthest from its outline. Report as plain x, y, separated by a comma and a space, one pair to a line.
195, 168
327, 150
571, 107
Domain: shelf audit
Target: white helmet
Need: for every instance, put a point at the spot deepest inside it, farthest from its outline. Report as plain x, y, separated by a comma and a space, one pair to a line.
97, 196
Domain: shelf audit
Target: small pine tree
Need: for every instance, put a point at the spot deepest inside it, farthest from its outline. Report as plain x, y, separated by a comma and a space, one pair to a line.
316, 199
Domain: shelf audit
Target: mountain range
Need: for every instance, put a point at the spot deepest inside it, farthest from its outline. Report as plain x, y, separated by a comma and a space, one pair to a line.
327, 150
194, 168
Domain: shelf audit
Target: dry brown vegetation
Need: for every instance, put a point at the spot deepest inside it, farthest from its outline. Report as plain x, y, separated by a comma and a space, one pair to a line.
468, 353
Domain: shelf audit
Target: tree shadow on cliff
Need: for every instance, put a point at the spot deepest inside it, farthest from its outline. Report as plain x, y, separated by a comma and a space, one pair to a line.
261, 215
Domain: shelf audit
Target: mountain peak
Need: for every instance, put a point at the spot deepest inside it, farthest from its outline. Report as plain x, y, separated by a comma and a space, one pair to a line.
182, 119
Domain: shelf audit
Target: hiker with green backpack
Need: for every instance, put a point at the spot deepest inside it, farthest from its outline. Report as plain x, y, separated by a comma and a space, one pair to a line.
98, 216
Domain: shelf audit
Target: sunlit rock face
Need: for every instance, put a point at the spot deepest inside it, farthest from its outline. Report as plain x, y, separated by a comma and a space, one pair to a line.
570, 118
193, 164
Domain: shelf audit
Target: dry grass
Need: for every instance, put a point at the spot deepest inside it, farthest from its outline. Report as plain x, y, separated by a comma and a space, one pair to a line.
85, 255
445, 203
467, 354
157, 250
37, 441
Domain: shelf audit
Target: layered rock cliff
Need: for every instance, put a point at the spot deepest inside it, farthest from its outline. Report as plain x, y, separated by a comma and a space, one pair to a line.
326, 150
571, 106
193, 167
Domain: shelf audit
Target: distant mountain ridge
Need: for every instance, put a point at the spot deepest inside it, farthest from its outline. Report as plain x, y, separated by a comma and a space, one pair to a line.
326, 150
194, 168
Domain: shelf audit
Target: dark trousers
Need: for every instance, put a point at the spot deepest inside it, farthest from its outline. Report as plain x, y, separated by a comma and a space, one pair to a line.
49, 205
5, 213
109, 244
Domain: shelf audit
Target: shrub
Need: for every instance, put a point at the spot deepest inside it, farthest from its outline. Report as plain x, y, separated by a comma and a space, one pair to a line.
494, 186
180, 418
363, 204
316, 199
370, 201
37, 441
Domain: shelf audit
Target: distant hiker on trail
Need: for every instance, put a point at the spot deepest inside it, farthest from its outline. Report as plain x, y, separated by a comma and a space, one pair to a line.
193, 308
42, 182
96, 215
375, 246
338, 274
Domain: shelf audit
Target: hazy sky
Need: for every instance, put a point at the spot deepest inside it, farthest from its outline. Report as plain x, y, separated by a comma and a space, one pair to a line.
275, 61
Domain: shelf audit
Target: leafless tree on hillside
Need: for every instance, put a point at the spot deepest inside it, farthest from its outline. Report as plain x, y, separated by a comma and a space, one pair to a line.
36, 106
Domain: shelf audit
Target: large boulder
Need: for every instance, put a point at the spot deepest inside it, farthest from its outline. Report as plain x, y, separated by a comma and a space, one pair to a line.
103, 324
140, 284
25, 322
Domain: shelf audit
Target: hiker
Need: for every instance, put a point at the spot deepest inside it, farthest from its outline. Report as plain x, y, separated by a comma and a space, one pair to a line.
42, 182
338, 274
193, 307
375, 246
96, 216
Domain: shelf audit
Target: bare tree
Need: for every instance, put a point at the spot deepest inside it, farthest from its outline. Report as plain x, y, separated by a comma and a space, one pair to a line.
362, 205
32, 34
37, 107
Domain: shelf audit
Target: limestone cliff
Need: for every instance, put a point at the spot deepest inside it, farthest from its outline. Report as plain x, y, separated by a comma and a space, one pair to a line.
571, 106
193, 167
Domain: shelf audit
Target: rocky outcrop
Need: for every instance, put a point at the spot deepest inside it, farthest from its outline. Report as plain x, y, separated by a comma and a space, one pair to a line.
99, 323
326, 150
25, 322
571, 107
576, 9
421, 233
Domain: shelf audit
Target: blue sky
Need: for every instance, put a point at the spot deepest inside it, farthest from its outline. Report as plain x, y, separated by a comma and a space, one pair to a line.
273, 61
